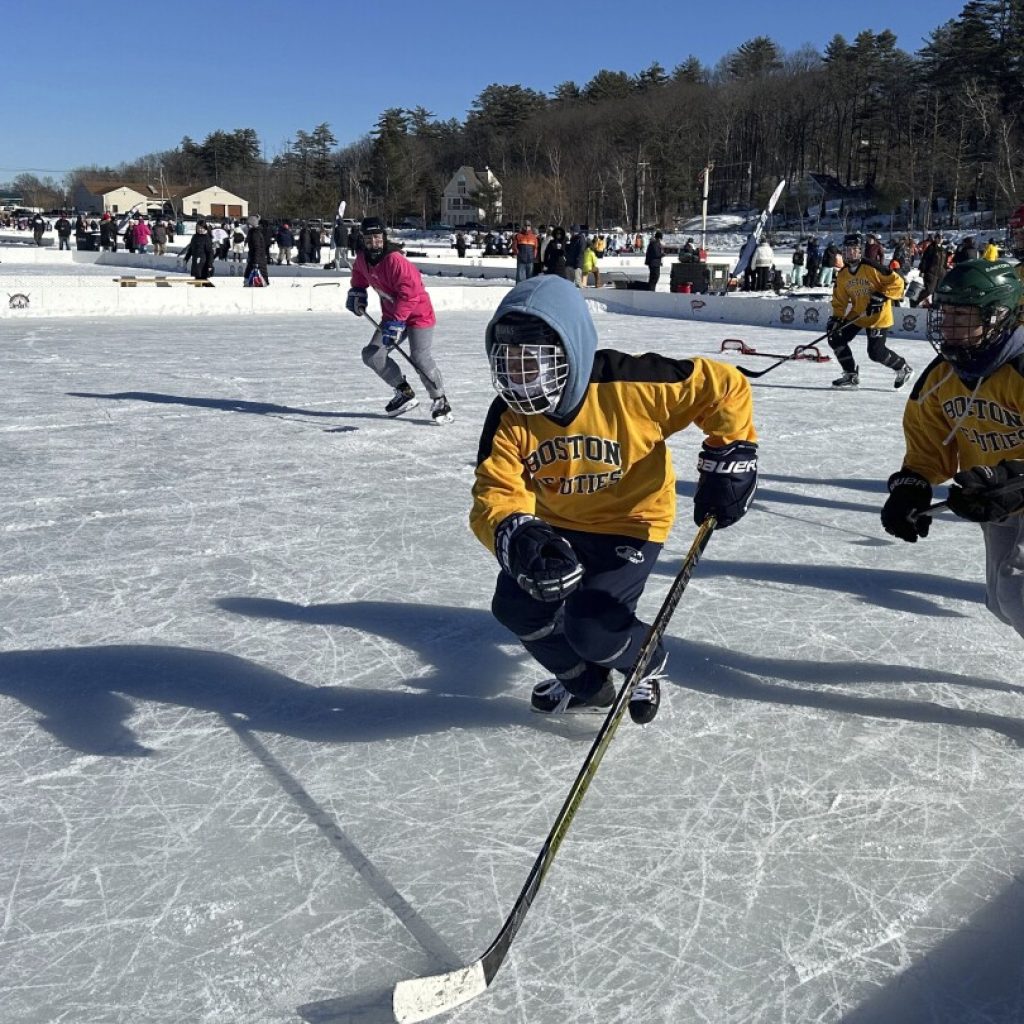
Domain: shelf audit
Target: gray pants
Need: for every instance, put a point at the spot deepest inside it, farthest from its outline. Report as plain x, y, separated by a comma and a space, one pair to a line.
376, 357
1004, 571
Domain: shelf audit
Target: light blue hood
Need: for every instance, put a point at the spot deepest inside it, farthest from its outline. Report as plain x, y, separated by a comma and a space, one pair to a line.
560, 305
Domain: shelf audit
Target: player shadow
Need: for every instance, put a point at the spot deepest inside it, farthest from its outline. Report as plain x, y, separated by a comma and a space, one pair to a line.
685, 491
371, 1006
238, 405
976, 974
714, 670
85, 696
878, 487
898, 590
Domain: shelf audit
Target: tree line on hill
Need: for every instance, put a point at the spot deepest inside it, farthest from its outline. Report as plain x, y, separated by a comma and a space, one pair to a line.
905, 134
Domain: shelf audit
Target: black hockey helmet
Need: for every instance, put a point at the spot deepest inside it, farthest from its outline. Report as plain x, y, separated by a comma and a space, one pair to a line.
853, 246
374, 227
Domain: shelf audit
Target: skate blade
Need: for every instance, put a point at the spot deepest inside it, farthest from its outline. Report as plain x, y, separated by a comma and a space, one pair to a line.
447, 418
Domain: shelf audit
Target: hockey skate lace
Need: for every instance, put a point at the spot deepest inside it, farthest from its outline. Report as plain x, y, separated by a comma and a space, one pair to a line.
643, 692
556, 689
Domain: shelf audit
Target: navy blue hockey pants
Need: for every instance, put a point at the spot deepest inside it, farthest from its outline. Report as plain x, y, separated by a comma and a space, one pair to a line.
878, 351
595, 628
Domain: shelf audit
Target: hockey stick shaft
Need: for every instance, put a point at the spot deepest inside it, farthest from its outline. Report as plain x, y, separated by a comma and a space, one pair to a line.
395, 348
421, 998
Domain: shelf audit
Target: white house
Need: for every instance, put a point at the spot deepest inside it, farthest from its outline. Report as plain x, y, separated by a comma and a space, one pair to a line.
214, 202
457, 205
103, 195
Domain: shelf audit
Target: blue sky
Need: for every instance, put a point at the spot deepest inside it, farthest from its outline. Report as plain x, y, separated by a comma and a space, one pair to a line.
86, 91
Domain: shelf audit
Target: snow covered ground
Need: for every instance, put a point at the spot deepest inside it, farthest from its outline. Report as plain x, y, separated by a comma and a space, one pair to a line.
265, 752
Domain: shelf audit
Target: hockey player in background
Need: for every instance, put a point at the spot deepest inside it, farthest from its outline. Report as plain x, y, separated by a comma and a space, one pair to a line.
575, 492
862, 298
406, 311
964, 420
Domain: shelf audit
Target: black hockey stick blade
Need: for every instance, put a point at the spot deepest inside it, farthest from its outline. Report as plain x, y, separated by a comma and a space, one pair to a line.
422, 998
779, 362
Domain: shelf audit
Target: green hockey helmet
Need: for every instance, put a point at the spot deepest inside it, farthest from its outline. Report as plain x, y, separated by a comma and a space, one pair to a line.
974, 311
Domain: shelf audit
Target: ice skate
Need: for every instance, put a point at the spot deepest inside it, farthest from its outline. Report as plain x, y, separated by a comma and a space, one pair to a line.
902, 375
848, 380
404, 400
645, 700
551, 697
441, 411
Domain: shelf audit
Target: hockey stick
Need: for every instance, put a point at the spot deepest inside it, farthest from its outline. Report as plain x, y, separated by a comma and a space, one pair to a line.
421, 998
790, 358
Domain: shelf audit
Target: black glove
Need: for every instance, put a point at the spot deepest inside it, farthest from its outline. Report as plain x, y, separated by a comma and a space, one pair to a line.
833, 327
909, 495
541, 561
727, 481
875, 304
972, 494
356, 301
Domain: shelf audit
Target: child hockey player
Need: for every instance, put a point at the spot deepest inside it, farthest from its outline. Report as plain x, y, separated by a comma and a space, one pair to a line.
965, 420
575, 492
406, 311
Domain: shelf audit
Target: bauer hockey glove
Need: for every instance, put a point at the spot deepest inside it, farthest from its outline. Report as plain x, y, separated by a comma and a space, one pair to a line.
875, 304
356, 301
540, 560
391, 332
973, 493
909, 495
727, 481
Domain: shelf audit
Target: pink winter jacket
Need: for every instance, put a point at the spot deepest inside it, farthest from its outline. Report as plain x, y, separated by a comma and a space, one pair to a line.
400, 287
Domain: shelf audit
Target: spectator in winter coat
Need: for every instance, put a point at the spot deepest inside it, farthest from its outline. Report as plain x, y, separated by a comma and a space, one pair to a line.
257, 260
966, 250
38, 227
813, 263
588, 266
160, 236
143, 234
238, 241
873, 251
574, 253
653, 258
305, 249
829, 265
796, 277
108, 233
555, 259
524, 247
339, 237
81, 233
460, 245
932, 267
991, 252
63, 227
285, 240
199, 252
763, 261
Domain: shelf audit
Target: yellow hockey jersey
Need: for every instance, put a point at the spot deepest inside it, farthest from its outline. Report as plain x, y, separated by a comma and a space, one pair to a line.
854, 288
607, 470
987, 424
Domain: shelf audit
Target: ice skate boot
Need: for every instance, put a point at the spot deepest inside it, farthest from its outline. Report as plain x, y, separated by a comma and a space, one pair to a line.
645, 699
902, 375
441, 411
551, 697
404, 400
848, 380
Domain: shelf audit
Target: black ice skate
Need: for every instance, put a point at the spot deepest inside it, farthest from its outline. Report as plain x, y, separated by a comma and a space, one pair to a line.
848, 380
404, 400
441, 411
645, 699
903, 375
551, 697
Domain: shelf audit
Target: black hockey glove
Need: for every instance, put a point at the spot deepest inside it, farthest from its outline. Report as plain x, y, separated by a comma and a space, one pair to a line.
972, 493
356, 301
727, 481
833, 328
541, 561
909, 495
875, 304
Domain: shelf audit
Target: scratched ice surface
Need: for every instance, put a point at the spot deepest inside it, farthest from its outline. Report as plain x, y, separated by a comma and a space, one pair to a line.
265, 753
